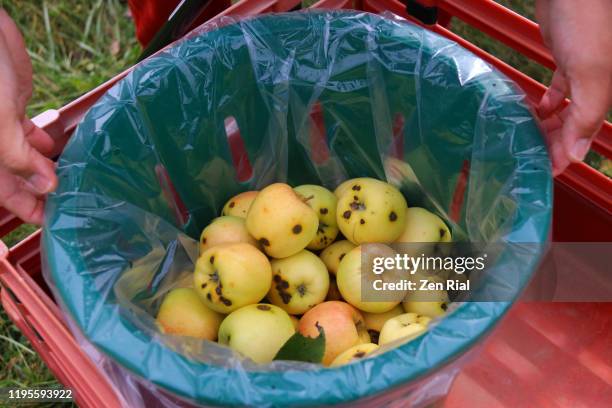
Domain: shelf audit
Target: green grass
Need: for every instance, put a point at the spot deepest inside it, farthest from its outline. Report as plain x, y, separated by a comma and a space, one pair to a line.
76, 45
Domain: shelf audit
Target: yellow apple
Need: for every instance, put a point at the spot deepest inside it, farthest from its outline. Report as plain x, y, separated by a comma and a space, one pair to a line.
350, 277
238, 206
424, 226
347, 184
257, 331
323, 202
281, 222
432, 303
354, 353
375, 321
225, 230
371, 210
299, 282
229, 276
182, 313
406, 326
333, 254
342, 323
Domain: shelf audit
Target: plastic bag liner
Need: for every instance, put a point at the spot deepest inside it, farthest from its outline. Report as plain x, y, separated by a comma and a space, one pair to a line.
314, 97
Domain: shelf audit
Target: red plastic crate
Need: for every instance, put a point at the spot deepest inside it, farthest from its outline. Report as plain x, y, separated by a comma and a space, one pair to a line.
542, 354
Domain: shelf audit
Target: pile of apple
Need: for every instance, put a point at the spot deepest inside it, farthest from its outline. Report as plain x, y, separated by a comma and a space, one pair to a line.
271, 265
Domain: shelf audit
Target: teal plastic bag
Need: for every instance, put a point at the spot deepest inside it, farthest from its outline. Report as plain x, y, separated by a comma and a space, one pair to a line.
313, 97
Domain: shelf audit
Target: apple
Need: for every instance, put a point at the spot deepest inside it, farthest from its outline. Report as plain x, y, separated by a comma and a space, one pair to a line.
333, 254
182, 313
323, 202
347, 184
375, 321
257, 331
225, 230
371, 210
229, 276
406, 326
424, 226
281, 222
435, 303
354, 353
342, 323
238, 206
299, 282
350, 277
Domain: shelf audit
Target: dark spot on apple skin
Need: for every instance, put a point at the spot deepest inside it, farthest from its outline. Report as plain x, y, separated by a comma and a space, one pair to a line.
443, 306
276, 278
232, 204
356, 187
442, 233
355, 198
203, 240
323, 210
264, 242
225, 301
209, 296
359, 354
203, 286
301, 289
284, 284
212, 259
362, 221
218, 290
354, 206
392, 216
285, 297
297, 229
374, 335
264, 307
346, 214
341, 256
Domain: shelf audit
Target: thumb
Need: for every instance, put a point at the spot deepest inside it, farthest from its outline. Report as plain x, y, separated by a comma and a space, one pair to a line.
20, 158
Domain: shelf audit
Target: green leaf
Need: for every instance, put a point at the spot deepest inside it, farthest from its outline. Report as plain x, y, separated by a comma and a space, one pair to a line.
301, 348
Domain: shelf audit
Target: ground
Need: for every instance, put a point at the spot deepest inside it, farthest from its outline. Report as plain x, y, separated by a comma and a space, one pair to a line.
77, 44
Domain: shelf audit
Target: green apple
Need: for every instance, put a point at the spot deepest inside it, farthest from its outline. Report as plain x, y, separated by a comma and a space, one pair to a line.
257, 331
406, 326
350, 277
182, 313
342, 323
323, 202
225, 230
281, 221
371, 210
229, 276
424, 226
238, 206
299, 282
333, 254
354, 353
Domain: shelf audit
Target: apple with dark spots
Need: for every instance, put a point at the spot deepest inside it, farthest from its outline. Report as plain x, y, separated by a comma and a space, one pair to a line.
281, 221
229, 276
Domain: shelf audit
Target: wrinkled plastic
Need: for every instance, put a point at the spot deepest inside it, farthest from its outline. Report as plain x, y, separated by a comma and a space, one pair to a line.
313, 97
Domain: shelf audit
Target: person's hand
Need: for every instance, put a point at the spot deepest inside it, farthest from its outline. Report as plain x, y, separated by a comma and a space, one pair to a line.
579, 36
25, 173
